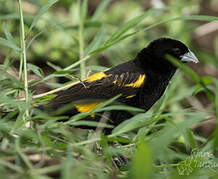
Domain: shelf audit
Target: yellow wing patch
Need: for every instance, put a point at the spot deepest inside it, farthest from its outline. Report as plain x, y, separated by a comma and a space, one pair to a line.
115, 81
96, 76
86, 107
138, 83
131, 96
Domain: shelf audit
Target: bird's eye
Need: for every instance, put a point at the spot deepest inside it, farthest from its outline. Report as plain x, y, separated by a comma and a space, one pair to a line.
176, 51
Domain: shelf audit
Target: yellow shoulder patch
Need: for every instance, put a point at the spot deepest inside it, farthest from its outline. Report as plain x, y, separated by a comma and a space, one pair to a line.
96, 76
138, 83
131, 96
86, 107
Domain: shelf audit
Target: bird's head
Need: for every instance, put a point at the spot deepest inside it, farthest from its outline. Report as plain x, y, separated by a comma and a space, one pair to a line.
166, 46
154, 55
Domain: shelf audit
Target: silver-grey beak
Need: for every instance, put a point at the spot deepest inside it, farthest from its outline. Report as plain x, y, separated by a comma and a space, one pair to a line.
189, 57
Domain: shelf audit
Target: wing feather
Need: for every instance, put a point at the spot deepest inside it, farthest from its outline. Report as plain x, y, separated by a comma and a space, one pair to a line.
105, 86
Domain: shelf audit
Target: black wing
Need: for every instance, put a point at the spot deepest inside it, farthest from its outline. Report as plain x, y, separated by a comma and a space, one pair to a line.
102, 86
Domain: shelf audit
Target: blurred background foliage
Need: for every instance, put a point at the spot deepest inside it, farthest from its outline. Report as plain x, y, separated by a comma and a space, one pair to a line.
59, 34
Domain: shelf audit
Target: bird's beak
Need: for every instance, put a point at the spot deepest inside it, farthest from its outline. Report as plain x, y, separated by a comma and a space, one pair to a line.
189, 57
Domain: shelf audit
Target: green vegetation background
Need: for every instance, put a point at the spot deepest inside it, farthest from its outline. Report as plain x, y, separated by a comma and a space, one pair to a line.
45, 45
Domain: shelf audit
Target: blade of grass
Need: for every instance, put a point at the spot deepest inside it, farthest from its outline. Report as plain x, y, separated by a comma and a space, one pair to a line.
106, 46
193, 75
11, 166
23, 54
9, 44
142, 163
132, 23
42, 11
135, 122
136, 20
9, 16
121, 107
200, 18
82, 17
100, 10
46, 170
77, 63
22, 155
106, 103
8, 34
96, 42
7, 60
31, 41
216, 99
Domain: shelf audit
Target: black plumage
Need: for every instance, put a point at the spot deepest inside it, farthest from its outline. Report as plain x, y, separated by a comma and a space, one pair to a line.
141, 81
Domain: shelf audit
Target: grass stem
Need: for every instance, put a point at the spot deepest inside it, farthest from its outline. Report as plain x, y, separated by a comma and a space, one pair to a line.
23, 53
81, 42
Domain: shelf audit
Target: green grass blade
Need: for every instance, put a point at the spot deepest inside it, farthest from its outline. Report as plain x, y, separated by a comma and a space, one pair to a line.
187, 18
100, 49
216, 99
135, 21
121, 38
135, 122
42, 11
96, 42
185, 68
142, 164
106, 103
132, 23
8, 43
35, 69
9, 16
121, 107
34, 37
100, 10
200, 81
8, 34
11, 166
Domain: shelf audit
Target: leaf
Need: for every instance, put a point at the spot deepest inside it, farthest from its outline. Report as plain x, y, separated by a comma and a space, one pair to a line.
8, 34
193, 75
42, 11
136, 20
96, 42
90, 123
142, 163
10, 16
140, 120
8, 43
106, 46
63, 72
103, 104
96, 68
4, 73
132, 23
31, 41
165, 136
35, 69
121, 107
206, 80
83, 11
185, 68
191, 139
216, 101
100, 10
200, 18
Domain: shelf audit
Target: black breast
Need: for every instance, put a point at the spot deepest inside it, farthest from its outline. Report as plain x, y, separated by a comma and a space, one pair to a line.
153, 89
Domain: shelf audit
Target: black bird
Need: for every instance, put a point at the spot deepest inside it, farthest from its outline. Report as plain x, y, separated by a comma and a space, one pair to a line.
141, 81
